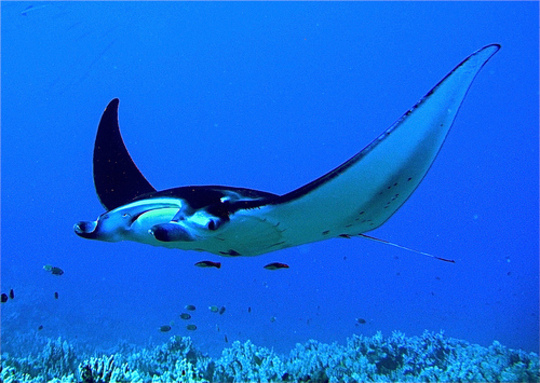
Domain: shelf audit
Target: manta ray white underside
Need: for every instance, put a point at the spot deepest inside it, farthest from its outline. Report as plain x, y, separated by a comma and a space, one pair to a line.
354, 198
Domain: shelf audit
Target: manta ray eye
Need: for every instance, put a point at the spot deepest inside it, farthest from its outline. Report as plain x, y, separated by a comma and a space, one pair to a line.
212, 225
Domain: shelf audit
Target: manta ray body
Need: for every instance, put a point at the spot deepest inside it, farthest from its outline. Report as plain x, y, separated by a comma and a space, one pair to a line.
356, 197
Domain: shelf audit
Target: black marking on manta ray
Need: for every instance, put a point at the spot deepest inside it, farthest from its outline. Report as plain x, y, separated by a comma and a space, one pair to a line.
231, 252
210, 197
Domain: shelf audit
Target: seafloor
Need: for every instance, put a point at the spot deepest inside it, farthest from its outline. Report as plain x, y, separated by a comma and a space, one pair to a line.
431, 357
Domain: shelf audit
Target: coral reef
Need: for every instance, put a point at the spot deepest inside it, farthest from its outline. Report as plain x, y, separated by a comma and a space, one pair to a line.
431, 357
248, 363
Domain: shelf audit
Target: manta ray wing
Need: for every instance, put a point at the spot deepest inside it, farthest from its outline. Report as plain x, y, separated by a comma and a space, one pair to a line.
116, 177
364, 192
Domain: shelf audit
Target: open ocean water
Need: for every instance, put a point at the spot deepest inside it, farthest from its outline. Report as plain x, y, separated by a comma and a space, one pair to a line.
268, 96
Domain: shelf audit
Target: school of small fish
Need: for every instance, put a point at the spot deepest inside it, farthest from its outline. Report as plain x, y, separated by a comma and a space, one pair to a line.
54, 270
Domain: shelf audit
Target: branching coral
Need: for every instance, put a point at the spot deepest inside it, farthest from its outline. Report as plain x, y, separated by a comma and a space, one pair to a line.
105, 370
246, 362
431, 357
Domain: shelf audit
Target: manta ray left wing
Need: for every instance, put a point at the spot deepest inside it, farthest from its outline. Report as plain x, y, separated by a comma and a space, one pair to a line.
356, 197
116, 177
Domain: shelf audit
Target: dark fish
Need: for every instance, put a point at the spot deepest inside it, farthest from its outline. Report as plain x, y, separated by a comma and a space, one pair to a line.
361, 320
31, 8
217, 265
191, 327
40, 327
185, 316
213, 308
53, 270
226, 339
11, 294
276, 266
4, 297
249, 309
165, 328
221, 310
190, 307
56, 295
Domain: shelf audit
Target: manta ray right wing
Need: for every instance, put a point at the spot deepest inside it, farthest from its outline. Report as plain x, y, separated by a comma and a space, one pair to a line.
365, 191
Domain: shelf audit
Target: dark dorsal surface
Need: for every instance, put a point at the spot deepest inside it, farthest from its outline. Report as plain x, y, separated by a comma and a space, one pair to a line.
116, 177
221, 200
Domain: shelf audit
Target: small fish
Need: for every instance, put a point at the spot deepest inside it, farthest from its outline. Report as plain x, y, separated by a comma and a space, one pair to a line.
217, 265
165, 328
185, 316
4, 297
221, 310
249, 309
361, 320
226, 339
191, 327
272, 319
190, 307
214, 309
56, 295
40, 327
11, 294
31, 8
53, 270
276, 266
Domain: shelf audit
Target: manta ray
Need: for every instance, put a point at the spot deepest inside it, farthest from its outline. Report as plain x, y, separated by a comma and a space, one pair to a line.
356, 197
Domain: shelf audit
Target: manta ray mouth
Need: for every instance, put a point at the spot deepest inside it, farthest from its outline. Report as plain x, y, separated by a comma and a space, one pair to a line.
171, 232
85, 229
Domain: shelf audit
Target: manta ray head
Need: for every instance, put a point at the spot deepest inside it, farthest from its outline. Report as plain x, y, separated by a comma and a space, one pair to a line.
153, 221
132, 221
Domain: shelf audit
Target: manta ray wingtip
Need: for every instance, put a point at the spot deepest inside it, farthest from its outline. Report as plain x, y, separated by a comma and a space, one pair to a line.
113, 103
494, 48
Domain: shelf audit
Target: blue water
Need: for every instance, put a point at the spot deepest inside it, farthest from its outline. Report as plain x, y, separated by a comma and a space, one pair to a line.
268, 96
